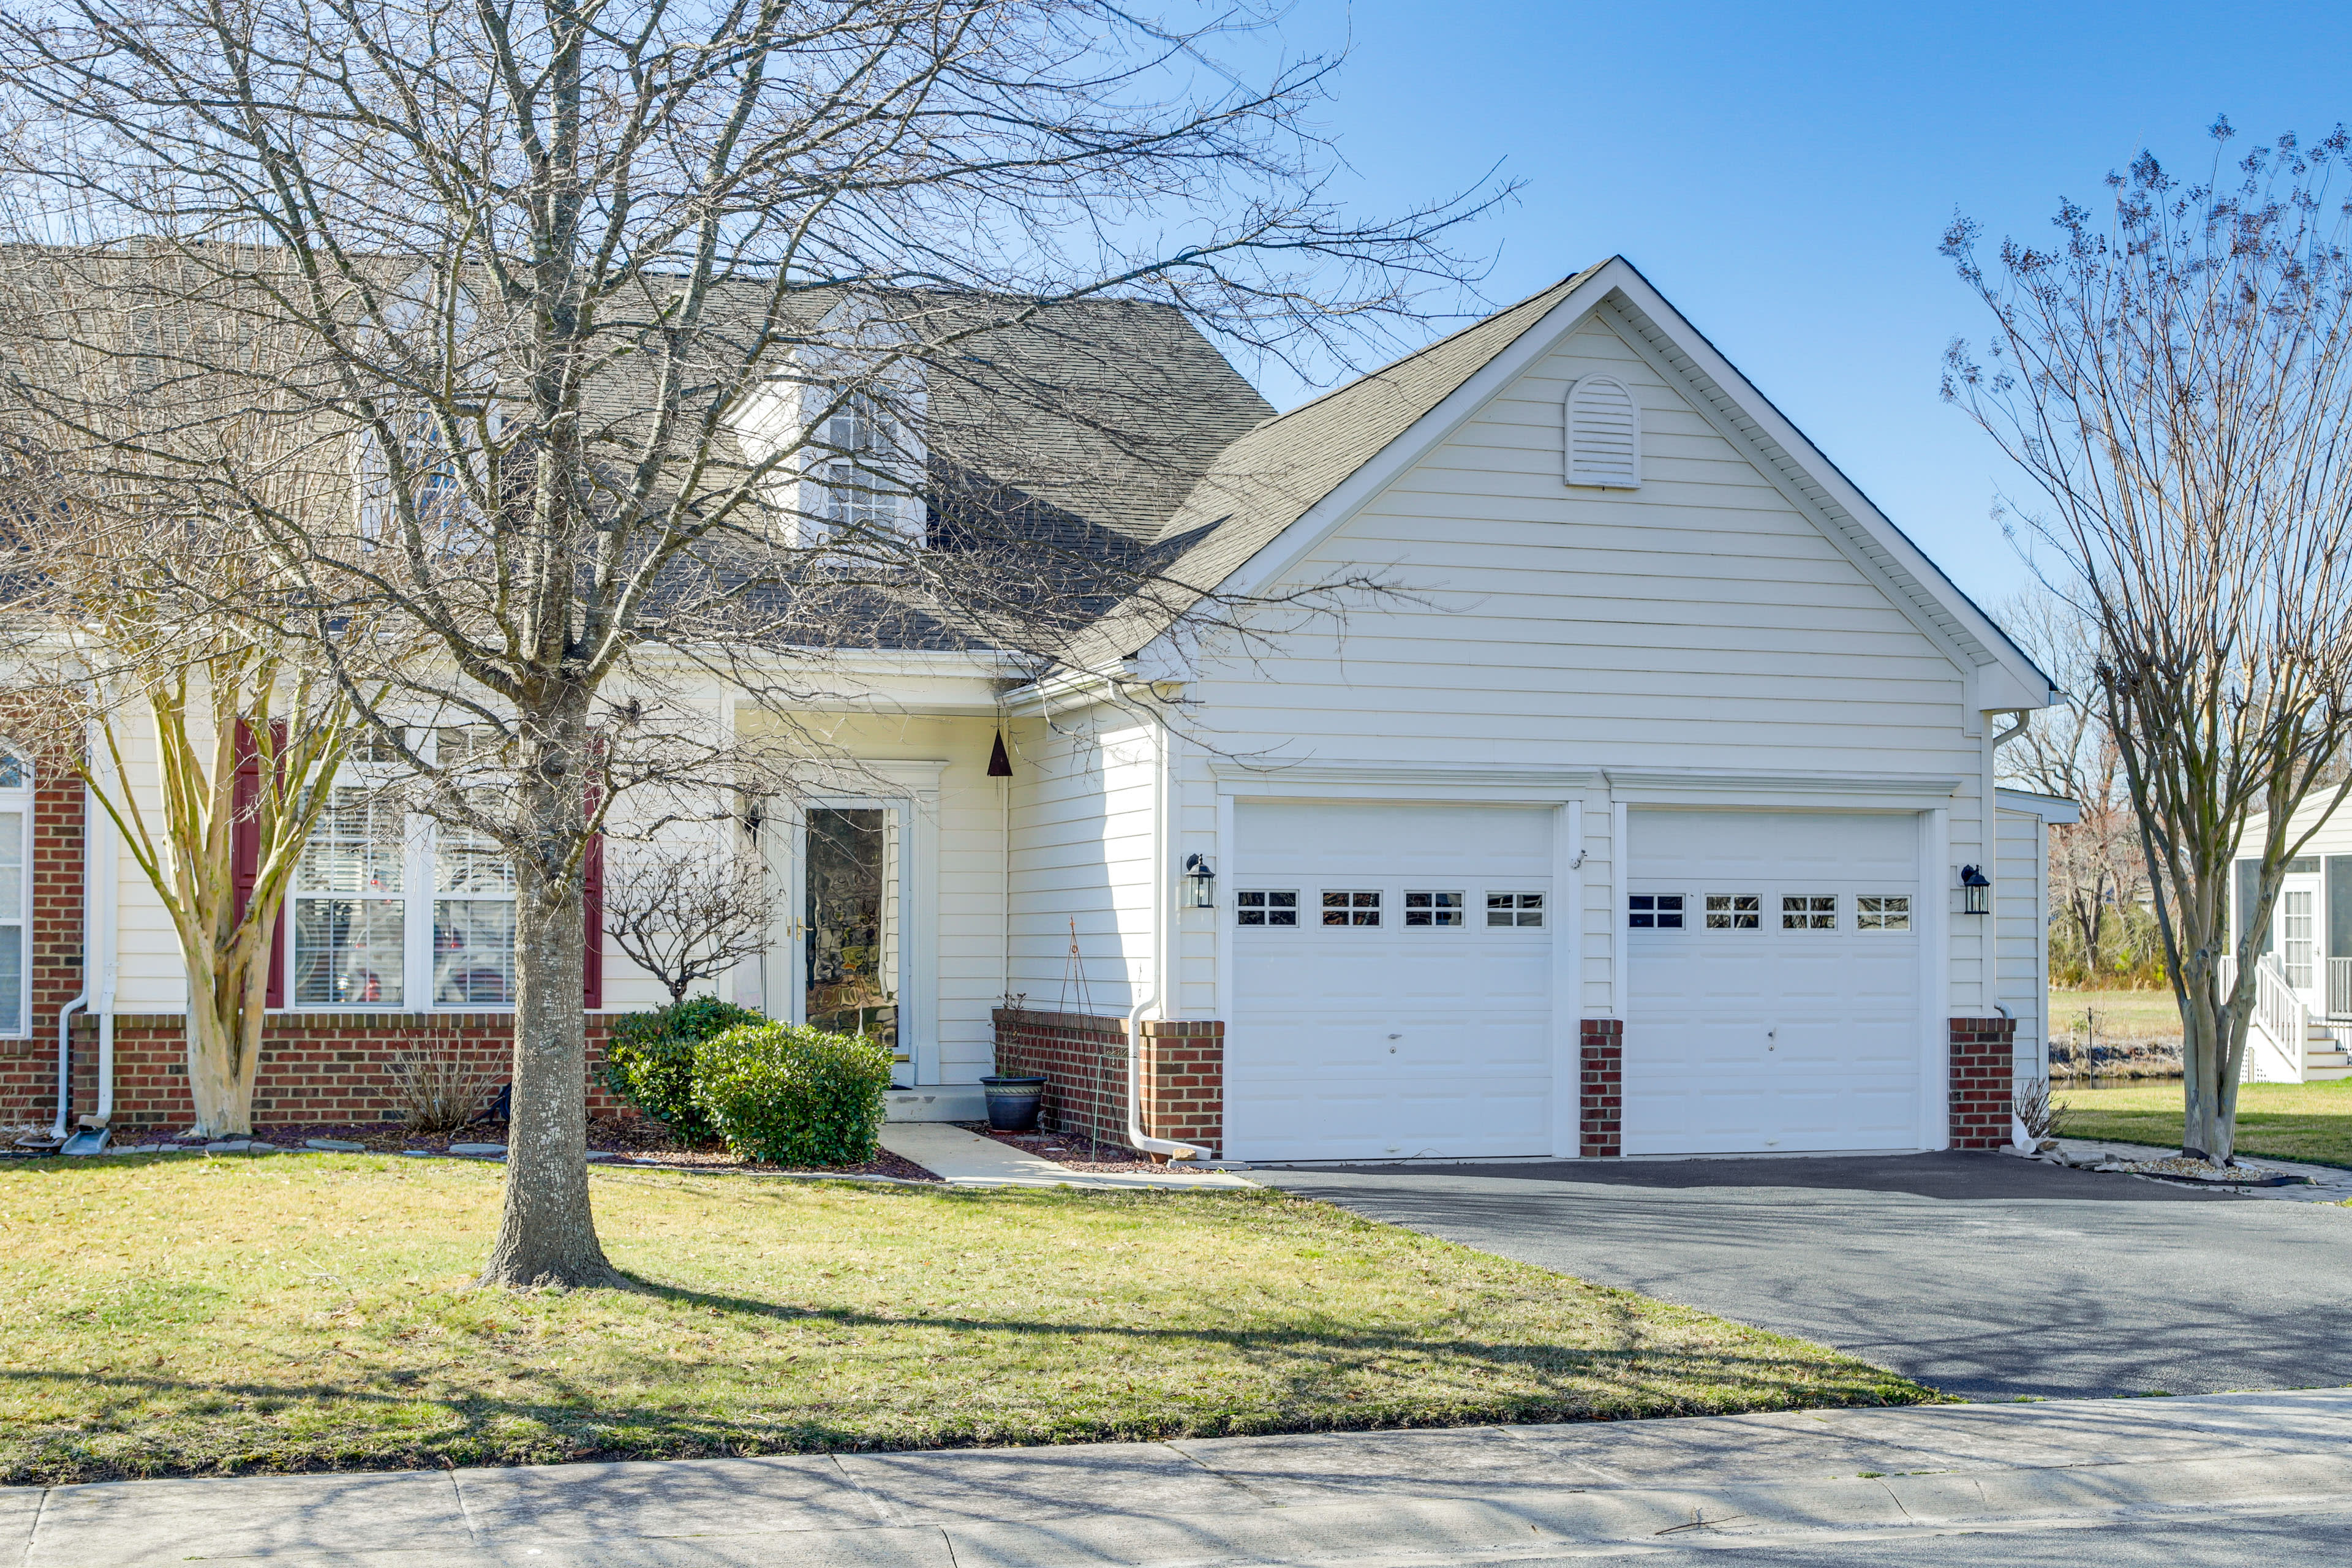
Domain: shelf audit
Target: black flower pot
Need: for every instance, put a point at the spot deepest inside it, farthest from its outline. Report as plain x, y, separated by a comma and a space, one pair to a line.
1013, 1103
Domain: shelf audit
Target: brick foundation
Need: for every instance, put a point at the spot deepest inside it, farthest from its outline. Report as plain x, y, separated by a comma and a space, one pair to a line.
315, 1067
1983, 1074
1600, 1088
1083, 1059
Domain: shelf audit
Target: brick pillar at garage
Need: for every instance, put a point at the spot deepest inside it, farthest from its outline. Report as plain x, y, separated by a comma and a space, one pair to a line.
1984, 1052
1603, 1086
1185, 1081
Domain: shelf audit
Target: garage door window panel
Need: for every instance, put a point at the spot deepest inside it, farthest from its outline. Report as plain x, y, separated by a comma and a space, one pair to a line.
1735, 912
1808, 912
1654, 911
1515, 910
1433, 910
1266, 906
1351, 907
1882, 911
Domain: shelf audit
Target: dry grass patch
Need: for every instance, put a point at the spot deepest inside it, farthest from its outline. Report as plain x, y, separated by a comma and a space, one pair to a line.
173, 1315
2287, 1120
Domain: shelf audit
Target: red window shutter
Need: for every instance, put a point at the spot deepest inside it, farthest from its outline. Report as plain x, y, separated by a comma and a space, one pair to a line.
244, 853
591, 906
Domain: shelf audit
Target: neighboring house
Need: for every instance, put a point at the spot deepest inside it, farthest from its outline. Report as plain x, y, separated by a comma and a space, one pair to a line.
1633, 822
2302, 995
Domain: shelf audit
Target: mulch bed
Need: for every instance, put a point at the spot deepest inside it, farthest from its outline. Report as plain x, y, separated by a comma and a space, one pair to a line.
636, 1139
1069, 1151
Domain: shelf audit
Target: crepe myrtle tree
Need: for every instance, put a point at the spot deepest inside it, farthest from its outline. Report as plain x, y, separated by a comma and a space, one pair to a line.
2174, 374
660, 347
114, 631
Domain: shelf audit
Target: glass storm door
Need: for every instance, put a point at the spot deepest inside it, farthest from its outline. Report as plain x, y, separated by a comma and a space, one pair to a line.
853, 873
2298, 922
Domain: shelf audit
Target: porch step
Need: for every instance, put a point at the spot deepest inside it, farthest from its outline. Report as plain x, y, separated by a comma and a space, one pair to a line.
2315, 1073
936, 1102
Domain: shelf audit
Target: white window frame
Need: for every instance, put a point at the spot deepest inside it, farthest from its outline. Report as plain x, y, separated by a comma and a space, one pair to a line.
1351, 909
1811, 913
1518, 908
1658, 913
419, 897
19, 797
1434, 911
1731, 912
1909, 912
1269, 909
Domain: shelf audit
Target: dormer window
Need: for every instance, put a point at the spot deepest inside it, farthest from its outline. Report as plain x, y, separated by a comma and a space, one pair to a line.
859, 468
1604, 434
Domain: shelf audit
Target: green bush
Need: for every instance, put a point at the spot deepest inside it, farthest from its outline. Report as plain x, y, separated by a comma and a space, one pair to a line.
650, 1061
793, 1096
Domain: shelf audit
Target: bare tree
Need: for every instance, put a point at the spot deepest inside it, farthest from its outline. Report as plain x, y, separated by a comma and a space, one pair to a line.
686, 915
659, 345
2096, 862
117, 573
2178, 383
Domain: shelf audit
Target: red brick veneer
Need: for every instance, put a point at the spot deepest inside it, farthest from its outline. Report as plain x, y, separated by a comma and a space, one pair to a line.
1601, 1087
1083, 1059
28, 1068
315, 1067
1984, 1073
1185, 1081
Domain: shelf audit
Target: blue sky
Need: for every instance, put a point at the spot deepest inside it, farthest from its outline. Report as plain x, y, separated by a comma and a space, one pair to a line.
1784, 173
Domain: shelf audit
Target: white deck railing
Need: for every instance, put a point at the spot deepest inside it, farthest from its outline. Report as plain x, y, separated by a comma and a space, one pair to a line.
2280, 1031
2340, 987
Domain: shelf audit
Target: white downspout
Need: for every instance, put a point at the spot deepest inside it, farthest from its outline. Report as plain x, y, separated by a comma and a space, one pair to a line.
91, 815
1163, 847
108, 959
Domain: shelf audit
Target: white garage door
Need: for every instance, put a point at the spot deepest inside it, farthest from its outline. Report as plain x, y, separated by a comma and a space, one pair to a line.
1773, 997
1392, 981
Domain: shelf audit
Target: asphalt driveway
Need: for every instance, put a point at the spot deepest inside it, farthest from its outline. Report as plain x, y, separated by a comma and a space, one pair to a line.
1982, 1275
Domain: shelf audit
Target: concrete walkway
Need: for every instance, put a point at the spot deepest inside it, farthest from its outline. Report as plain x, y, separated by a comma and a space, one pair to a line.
968, 1160
1830, 1479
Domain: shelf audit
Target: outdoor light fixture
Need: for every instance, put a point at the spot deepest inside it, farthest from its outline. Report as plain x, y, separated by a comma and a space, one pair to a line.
1976, 892
1200, 883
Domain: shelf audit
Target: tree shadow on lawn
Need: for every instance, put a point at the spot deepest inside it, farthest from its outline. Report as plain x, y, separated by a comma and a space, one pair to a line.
1293, 1374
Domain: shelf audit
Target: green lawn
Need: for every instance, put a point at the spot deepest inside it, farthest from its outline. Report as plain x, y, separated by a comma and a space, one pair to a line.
2122, 1014
2292, 1120
173, 1315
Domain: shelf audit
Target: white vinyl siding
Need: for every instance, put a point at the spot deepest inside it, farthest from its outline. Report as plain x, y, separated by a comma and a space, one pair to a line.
2020, 917
1704, 621
1082, 852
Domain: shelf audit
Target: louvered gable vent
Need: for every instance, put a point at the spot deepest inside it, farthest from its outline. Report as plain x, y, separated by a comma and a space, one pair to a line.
1604, 434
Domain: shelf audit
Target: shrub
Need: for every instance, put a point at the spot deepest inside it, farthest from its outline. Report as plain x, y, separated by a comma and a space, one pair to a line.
650, 1061
793, 1096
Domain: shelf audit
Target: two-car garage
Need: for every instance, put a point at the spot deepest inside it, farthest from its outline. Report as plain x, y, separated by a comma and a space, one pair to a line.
1401, 969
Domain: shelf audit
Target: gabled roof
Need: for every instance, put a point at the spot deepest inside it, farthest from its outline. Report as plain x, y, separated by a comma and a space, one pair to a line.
1276, 492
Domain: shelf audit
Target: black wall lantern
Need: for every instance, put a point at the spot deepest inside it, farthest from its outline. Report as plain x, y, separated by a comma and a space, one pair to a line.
1200, 883
1976, 892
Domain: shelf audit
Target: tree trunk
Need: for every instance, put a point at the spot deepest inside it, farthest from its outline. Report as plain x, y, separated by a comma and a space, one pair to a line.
224, 1023
546, 1233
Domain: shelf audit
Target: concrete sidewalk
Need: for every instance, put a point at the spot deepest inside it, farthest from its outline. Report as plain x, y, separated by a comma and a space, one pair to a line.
1497, 1494
964, 1159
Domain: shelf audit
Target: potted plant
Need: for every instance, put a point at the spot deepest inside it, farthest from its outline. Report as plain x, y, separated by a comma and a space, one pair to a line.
1013, 1103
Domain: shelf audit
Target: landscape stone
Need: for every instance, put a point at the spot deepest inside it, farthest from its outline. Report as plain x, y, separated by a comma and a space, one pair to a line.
336, 1146
477, 1149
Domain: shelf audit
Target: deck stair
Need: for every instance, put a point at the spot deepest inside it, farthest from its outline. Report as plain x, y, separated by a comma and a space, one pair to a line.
2323, 1055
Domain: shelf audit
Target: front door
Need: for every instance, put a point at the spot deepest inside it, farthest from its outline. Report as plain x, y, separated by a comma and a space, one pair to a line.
2298, 939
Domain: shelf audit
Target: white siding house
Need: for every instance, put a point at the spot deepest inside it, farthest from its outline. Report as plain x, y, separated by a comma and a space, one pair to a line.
1617, 806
